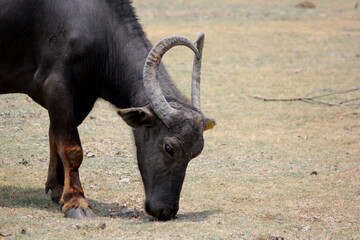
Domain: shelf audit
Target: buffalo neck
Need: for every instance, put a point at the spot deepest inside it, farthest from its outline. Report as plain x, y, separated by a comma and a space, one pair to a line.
123, 82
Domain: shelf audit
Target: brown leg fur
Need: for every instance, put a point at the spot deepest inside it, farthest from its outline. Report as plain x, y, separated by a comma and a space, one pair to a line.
72, 158
73, 202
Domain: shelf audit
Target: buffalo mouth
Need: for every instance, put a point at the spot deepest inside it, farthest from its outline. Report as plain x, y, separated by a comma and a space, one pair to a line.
162, 213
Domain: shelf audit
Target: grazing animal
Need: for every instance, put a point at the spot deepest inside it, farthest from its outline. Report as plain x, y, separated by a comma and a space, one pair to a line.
65, 54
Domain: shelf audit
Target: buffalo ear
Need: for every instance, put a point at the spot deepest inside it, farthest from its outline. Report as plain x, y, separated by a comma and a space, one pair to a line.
137, 117
209, 123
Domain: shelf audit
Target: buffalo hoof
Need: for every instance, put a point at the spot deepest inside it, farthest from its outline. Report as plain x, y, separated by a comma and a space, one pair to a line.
80, 214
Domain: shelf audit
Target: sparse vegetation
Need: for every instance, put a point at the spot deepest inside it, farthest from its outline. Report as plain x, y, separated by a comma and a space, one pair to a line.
256, 176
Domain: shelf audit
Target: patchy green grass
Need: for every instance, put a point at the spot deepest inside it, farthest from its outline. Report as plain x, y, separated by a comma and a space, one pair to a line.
269, 169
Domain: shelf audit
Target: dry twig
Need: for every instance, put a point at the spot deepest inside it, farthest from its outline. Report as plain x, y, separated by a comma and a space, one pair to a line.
319, 98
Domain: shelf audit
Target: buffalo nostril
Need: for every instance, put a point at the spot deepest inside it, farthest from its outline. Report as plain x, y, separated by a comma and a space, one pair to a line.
165, 215
161, 213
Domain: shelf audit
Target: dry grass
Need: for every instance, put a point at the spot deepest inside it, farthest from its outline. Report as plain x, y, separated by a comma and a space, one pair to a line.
253, 180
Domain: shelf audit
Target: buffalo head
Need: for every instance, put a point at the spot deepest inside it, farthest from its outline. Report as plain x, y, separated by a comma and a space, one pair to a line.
168, 133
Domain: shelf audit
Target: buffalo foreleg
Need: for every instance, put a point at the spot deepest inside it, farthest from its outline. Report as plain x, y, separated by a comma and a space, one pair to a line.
65, 147
72, 202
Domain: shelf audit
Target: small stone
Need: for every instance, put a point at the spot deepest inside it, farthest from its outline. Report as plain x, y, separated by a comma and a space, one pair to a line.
24, 162
90, 155
124, 180
102, 225
306, 228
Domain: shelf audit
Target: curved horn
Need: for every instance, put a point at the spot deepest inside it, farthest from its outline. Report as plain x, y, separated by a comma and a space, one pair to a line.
195, 86
152, 87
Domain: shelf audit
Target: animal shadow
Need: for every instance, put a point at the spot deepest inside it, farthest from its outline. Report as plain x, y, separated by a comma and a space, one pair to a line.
17, 197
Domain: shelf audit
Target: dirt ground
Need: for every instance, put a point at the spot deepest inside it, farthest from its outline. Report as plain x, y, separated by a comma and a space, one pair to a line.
269, 170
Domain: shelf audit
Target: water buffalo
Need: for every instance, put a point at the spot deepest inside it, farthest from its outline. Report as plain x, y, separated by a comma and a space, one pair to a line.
65, 54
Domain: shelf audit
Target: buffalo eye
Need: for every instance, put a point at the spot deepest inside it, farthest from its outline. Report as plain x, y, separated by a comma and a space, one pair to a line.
169, 150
